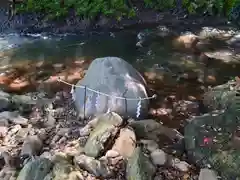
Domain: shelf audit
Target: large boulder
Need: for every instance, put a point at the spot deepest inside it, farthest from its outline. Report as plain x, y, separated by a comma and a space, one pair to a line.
115, 77
213, 139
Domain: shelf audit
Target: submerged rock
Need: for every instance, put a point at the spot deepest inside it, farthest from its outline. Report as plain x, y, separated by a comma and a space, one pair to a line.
103, 134
115, 77
186, 41
139, 166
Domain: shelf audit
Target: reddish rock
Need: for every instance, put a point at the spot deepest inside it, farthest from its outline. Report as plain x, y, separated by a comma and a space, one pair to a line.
126, 142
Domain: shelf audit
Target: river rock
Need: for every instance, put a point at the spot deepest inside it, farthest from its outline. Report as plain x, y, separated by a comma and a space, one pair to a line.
214, 33
211, 139
220, 96
38, 169
103, 134
115, 77
178, 164
139, 166
62, 169
14, 117
149, 145
150, 129
159, 157
207, 174
8, 173
125, 143
234, 41
4, 100
93, 166
31, 146
186, 41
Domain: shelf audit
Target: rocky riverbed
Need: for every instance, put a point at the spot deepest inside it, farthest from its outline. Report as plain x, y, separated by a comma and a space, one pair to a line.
45, 140
41, 137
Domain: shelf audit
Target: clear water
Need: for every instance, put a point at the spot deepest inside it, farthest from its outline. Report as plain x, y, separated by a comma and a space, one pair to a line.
155, 54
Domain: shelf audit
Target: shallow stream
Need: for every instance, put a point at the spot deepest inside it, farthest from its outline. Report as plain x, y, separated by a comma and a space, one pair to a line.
30, 62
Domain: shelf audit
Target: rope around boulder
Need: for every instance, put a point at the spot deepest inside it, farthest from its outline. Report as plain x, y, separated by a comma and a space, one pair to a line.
101, 93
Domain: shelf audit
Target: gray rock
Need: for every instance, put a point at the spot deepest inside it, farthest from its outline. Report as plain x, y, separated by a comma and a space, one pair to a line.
93, 166
159, 157
36, 169
150, 129
14, 117
62, 168
234, 41
179, 165
150, 145
31, 146
103, 134
125, 143
4, 100
8, 173
207, 174
139, 166
113, 76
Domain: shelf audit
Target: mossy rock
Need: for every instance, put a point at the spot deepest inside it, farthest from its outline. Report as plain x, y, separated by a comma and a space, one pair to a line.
220, 96
103, 134
139, 166
209, 141
35, 170
213, 139
62, 169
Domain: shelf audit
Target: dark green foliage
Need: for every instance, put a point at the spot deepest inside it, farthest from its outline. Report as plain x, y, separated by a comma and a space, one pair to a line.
120, 8
160, 4
234, 14
83, 8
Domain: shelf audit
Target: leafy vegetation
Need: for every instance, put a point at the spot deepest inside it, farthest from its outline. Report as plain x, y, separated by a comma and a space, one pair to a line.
83, 8
213, 7
120, 8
